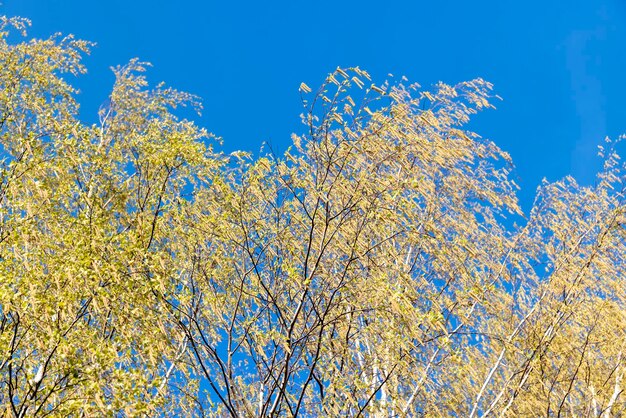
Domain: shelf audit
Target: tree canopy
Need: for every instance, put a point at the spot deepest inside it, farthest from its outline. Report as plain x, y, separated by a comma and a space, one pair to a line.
380, 267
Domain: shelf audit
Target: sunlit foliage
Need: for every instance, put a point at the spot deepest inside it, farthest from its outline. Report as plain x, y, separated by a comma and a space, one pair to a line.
381, 266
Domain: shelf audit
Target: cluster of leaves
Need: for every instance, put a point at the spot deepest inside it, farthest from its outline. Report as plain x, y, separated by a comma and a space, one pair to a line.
370, 270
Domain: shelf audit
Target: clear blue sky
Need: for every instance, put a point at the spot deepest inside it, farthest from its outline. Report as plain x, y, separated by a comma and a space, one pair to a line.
559, 65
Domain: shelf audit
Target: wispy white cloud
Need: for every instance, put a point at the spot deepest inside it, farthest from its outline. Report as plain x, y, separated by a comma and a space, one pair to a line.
582, 63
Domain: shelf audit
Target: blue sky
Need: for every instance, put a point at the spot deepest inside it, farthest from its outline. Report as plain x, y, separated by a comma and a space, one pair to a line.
559, 65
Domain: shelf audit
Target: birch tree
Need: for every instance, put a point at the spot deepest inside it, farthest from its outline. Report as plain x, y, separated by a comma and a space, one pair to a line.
84, 239
381, 266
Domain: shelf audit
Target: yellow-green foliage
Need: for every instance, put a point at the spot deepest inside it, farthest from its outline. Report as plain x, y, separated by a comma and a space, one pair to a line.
370, 270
